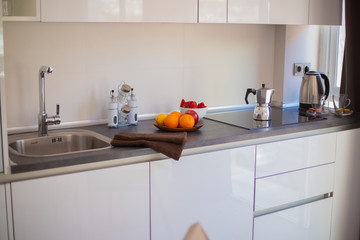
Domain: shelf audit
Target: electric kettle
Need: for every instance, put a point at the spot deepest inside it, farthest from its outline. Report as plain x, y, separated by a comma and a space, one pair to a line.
312, 90
262, 111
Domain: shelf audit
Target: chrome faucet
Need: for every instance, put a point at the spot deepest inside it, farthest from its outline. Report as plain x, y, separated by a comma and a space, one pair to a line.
44, 120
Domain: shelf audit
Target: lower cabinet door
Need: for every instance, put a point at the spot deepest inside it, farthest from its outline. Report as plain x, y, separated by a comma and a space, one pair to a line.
306, 222
215, 189
110, 203
3, 214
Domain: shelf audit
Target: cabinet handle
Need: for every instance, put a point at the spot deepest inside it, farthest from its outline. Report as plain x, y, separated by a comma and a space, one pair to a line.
292, 204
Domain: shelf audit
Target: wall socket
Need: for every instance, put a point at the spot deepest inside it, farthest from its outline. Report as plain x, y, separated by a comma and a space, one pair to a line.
301, 68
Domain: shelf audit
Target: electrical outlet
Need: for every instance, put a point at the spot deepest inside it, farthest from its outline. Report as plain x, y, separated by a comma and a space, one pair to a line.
301, 68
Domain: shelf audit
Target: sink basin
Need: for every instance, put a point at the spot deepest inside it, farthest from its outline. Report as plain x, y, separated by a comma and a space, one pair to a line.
57, 143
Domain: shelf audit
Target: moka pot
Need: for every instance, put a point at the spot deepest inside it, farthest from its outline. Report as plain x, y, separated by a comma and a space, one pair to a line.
262, 111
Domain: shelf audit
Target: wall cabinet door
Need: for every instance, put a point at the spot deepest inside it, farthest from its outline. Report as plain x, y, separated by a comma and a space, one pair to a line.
215, 189
247, 11
346, 209
325, 12
119, 11
268, 11
107, 204
310, 221
21, 10
288, 11
212, 11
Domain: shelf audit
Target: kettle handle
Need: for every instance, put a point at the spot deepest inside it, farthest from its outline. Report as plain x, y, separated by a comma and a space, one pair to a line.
327, 85
248, 91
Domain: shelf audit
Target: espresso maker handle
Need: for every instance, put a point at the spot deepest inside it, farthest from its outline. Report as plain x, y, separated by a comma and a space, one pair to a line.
327, 85
248, 91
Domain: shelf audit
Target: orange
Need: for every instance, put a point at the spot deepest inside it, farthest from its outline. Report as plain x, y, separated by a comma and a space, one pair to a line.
176, 113
171, 121
187, 121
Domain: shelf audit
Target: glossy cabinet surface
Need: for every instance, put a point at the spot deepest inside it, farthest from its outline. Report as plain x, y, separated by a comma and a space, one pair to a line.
102, 204
3, 214
289, 155
268, 11
184, 11
21, 10
346, 209
215, 189
309, 221
212, 11
325, 12
247, 11
294, 186
288, 11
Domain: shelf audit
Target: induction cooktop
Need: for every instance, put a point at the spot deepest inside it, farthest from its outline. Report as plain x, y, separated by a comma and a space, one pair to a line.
244, 118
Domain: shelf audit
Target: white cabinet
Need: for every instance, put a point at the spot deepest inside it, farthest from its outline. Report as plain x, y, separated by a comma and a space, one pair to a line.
294, 187
107, 204
289, 155
288, 11
184, 11
268, 11
212, 11
3, 214
346, 209
215, 189
247, 11
21, 10
311, 221
325, 12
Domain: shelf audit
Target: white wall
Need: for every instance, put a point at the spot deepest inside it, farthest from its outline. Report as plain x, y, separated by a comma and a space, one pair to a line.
293, 44
163, 62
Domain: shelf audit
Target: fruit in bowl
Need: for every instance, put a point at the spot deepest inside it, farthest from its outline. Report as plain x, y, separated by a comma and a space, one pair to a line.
176, 119
199, 108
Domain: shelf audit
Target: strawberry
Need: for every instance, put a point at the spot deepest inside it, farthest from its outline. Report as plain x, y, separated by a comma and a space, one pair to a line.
193, 104
182, 103
201, 105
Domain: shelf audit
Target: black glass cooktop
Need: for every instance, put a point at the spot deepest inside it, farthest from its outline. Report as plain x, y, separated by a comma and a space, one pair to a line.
244, 118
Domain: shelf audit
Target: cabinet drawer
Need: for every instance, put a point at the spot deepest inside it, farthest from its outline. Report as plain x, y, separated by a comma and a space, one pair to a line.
309, 221
289, 155
294, 186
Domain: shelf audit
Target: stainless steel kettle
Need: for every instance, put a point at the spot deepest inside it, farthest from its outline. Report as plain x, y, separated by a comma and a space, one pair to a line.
312, 90
262, 111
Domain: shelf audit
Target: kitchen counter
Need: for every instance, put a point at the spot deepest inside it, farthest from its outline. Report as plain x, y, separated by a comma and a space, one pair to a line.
211, 137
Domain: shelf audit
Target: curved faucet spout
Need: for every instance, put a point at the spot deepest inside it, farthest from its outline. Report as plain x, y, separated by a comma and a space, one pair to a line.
45, 69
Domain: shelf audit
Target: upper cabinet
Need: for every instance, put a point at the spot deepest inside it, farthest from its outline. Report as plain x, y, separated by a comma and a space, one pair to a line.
247, 11
176, 11
268, 11
325, 12
317, 12
21, 10
212, 11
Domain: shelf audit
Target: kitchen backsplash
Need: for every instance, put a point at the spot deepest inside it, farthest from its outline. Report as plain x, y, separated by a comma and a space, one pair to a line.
164, 63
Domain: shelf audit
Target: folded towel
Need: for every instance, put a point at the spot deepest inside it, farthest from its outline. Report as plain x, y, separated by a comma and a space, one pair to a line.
170, 144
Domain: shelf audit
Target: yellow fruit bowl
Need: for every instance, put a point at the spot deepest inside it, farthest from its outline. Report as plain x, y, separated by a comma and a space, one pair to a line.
178, 129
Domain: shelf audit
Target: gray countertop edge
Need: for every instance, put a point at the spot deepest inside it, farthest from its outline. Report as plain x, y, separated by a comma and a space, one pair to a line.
228, 142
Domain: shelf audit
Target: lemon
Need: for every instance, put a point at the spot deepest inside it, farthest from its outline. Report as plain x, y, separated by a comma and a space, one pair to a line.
339, 110
160, 119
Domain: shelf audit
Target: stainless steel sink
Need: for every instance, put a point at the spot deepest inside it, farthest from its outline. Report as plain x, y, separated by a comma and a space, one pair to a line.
57, 143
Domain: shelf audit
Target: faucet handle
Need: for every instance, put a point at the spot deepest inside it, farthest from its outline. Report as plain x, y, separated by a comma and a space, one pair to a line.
57, 109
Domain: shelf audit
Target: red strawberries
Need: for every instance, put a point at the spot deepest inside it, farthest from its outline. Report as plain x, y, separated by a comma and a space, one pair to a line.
191, 104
